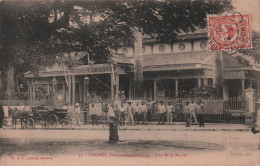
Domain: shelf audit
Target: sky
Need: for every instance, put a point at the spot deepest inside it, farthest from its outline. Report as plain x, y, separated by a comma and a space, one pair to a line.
251, 7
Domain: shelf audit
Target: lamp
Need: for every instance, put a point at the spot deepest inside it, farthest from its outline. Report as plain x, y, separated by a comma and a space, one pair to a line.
86, 79
54, 82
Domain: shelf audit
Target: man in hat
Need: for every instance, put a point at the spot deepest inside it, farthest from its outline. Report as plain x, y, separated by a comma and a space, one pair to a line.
192, 109
170, 109
122, 95
137, 113
150, 104
143, 113
161, 112
93, 114
122, 110
200, 112
130, 112
111, 112
77, 113
187, 115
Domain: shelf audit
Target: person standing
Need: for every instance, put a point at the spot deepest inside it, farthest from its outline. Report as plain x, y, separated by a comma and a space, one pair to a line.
111, 112
161, 112
187, 114
93, 114
136, 114
130, 112
121, 110
2, 114
77, 113
169, 110
143, 112
150, 112
200, 113
192, 109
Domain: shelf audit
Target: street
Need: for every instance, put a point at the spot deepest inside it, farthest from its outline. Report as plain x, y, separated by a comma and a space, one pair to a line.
78, 147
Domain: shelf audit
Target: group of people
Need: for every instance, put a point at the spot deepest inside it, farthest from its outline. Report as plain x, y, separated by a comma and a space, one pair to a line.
128, 112
194, 113
168, 110
140, 111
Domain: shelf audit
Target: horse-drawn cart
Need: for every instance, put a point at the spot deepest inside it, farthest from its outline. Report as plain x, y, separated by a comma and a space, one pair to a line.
24, 116
51, 118
48, 118
58, 116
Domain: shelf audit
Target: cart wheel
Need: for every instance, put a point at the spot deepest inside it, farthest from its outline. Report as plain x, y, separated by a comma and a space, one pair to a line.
66, 122
52, 121
30, 123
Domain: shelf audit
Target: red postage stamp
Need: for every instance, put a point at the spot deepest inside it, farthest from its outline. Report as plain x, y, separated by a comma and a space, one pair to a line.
229, 32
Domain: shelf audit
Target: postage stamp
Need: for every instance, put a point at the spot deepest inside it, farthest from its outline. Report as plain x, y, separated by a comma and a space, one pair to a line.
229, 32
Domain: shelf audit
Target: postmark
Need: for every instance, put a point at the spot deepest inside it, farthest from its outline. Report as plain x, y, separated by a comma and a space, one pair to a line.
229, 32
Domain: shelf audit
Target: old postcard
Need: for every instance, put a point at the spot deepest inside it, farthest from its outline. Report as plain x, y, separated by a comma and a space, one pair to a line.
116, 82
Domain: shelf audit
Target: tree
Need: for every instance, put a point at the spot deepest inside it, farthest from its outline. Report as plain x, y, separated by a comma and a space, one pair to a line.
93, 27
25, 37
118, 22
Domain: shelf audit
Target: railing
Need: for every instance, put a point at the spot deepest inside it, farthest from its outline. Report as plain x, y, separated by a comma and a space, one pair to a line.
235, 103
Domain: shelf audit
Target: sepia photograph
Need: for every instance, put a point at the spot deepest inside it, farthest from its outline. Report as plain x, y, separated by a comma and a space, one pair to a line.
129, 82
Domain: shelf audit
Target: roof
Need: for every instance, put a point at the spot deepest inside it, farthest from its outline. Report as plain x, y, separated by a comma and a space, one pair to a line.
193, 58
121, 58
176, 58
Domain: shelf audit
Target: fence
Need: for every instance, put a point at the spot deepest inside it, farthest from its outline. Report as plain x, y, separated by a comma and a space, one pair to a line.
235, 103
217, 110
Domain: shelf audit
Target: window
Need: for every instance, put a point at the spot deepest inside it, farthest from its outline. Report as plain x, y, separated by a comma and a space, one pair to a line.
181, 46
203, 45
124, 51
161, 48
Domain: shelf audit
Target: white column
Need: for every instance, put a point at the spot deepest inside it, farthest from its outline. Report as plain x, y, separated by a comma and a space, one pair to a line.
64, 93
69, 90
117, 86
112, 87
176, 87
34, 95
155, 89
80, 91
250, 100
225, 90
73, 90
242, 86
29, 93
48, 89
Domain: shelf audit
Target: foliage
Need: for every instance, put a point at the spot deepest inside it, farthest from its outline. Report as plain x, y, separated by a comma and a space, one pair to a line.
254, 52
202, 92
36, 34
63, 26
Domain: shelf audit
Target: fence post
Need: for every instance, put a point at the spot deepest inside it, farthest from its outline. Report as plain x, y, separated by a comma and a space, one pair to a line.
250, 106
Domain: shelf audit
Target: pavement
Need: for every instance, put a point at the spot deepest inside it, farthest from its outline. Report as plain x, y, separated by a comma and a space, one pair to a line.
164, 147
215, 144
177, 126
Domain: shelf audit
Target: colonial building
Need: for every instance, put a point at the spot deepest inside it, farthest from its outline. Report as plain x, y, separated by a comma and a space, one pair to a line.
168, 68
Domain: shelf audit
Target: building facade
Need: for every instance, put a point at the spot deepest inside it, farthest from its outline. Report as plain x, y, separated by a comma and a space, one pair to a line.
168, 69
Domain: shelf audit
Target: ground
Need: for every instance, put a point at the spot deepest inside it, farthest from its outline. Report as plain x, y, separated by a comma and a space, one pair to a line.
216, 144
